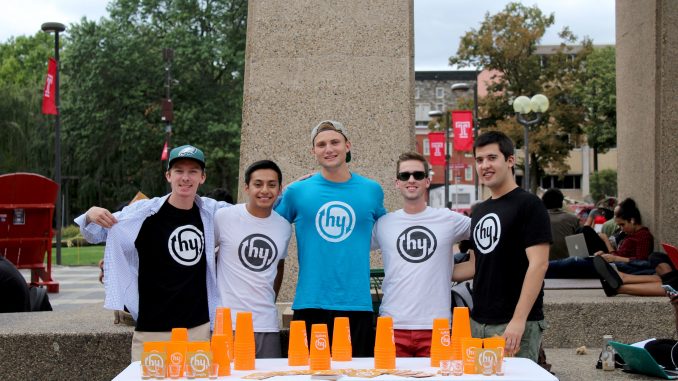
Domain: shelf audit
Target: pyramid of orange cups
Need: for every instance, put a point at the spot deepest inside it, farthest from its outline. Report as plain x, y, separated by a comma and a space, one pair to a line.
180, 357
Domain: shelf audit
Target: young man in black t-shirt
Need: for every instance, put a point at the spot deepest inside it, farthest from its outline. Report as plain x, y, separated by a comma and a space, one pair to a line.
159, 259
511, 235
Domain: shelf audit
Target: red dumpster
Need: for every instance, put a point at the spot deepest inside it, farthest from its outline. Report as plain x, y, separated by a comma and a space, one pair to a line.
26, 212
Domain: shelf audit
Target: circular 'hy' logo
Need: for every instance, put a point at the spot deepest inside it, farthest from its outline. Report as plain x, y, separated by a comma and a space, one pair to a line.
186, 244
320, 343
487, 233
257, 252
416, 244
335, 221
200, 362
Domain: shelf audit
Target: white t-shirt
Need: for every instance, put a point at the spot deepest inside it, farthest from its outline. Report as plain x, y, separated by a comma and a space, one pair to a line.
247, 264
418, 262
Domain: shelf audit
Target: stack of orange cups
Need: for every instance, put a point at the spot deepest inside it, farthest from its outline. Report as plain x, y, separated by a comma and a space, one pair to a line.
469, 348
220, 354
341, 340
297, 351
440, 341
384, 344
223, 325
176, 349
319, 357
461, 328
243, 344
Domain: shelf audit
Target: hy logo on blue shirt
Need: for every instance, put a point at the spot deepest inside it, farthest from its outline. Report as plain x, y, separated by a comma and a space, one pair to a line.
335, 221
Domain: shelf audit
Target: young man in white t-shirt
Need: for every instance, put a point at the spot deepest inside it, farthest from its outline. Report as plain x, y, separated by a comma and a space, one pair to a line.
252, 241
416, 244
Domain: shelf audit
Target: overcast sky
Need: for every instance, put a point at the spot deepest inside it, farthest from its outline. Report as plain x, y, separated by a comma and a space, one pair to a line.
438, 24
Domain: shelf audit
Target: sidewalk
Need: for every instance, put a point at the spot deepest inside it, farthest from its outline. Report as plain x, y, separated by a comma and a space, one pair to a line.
78, 286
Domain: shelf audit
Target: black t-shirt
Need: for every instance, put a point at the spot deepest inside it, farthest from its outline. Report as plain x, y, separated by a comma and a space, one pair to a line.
14, 295
501, 231
172, 270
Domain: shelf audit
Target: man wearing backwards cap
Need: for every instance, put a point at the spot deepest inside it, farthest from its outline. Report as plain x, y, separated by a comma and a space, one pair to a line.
334, 212
159, 261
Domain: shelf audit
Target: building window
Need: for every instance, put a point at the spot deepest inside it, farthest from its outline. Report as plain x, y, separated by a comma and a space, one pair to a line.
421, 112
440, 106
468, 173
425, 147
567, 182
416, 93
440, 92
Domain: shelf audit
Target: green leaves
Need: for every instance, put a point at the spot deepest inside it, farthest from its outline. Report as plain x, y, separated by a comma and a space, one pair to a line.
508, 44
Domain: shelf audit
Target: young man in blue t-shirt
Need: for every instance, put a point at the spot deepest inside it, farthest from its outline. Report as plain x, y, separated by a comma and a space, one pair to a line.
334, 212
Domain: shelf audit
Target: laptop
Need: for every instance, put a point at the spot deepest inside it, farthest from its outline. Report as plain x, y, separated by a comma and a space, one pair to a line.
576, 246
640, 361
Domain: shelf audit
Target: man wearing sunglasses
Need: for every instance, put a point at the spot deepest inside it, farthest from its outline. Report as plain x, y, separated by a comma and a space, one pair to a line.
334, 212
416, 244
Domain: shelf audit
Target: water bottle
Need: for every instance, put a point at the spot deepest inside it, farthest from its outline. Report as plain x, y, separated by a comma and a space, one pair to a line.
607, 356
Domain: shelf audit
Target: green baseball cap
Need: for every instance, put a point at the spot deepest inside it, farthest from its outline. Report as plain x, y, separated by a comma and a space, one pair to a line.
186, 152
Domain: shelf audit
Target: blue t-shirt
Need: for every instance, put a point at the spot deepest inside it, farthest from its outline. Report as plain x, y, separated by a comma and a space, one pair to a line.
333, 223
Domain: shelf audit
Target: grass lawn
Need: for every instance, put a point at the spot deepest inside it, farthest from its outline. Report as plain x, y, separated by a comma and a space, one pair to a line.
79, 256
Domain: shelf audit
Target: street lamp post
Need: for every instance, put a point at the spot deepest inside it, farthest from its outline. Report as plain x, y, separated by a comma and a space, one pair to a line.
523, 106
56, 28
459, 89
438, 114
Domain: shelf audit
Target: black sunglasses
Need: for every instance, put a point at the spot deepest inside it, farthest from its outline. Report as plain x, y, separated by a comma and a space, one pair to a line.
418, 175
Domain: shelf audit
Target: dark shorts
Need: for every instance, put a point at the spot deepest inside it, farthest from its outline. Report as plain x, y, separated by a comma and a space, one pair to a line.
267, 345
360, 322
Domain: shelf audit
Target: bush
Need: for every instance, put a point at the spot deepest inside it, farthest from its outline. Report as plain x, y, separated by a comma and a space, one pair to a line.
603, 183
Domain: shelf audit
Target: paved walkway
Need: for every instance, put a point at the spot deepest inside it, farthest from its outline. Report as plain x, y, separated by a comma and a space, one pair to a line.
78, 286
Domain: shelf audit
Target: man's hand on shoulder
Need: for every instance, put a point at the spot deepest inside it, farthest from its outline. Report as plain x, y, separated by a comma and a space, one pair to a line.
101, 217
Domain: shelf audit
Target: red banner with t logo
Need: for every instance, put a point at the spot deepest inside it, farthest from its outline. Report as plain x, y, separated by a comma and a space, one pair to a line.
462, 122
48, 101
436, 145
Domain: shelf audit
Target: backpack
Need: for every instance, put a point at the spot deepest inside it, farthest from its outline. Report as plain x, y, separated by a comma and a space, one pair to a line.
39, 299
461, 295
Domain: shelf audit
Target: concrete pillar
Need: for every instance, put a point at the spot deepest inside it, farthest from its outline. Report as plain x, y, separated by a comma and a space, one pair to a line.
647, 111
309, 60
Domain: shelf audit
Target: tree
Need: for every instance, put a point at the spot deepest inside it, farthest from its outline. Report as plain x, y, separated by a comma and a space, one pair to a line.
114, 78
505, 43
597, 92
28, 136
603, 183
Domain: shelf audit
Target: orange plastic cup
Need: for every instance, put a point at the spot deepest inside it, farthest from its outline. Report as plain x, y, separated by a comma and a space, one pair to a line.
176, 353
223, 325
220, 354
179, 334
243, 343
341, 340
319, 357
469, 346
297, 351
198, 358
494, 342
384, 344
461, 328
441, 348
157, 346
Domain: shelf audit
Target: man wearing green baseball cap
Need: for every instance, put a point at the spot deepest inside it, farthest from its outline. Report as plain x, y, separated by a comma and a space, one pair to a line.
159, 259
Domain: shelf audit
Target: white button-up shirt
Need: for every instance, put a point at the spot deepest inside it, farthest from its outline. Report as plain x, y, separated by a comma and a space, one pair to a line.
121, 259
